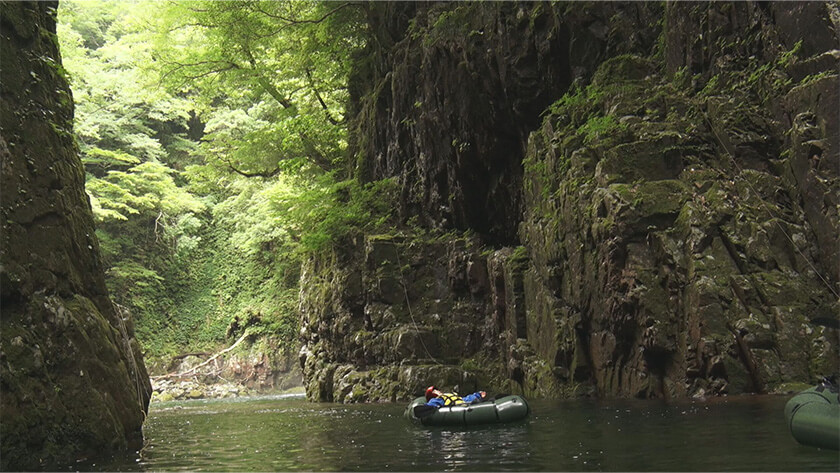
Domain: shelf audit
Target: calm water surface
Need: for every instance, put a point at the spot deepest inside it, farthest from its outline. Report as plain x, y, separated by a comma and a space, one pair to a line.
286, 433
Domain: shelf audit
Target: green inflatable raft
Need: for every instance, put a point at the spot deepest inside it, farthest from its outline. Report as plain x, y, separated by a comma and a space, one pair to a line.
505, 409
813, 416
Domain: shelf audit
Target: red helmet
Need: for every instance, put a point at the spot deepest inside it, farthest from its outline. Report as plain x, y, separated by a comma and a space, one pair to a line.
430, 392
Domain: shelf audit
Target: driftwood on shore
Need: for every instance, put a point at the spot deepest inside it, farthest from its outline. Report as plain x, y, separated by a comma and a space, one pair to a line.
192, 371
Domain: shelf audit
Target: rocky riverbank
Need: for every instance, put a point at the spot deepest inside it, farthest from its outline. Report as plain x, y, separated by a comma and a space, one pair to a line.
172, 390
248, 367
185, 389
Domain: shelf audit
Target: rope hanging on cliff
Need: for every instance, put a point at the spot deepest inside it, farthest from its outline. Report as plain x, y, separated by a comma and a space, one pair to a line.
410, 313
764, 204
129, 353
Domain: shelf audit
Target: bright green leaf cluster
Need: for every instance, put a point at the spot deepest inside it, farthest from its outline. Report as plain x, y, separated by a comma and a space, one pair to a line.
214, 139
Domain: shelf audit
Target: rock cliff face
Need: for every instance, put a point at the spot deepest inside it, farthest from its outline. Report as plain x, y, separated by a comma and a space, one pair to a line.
73, 380
651, 190
454, 91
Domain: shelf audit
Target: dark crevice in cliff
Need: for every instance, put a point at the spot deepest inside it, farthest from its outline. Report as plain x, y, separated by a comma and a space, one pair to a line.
746, 356
469, 86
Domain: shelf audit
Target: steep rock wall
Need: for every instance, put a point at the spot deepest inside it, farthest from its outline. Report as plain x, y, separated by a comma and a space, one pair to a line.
672, 258
386, 313
448, 94
676, 207
73, 380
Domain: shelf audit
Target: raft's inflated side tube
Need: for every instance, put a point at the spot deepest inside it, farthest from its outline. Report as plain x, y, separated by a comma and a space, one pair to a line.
505, 409
814, 417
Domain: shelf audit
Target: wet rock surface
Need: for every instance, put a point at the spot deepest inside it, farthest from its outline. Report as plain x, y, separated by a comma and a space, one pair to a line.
667, 228
73, 380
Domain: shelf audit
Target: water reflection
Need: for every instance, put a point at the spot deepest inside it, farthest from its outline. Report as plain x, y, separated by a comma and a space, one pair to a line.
504, 447
290, 434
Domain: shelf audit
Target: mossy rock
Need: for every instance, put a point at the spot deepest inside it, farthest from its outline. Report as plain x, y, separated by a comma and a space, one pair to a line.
163, 397
623, 68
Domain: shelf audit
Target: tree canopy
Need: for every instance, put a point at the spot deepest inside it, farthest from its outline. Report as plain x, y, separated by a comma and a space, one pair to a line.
214, 140
270, 78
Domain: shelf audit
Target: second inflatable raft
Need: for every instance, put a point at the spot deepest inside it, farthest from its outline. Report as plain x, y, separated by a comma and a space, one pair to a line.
813, 416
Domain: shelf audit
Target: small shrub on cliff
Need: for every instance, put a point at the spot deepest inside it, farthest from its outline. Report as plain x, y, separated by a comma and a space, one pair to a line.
598, 128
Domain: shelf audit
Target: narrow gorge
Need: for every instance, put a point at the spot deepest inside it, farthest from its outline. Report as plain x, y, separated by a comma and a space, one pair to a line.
558, 200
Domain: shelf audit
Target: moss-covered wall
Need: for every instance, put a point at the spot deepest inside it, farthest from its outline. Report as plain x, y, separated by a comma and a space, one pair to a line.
654, 189
447, 93
385, 314
72, 376
689, 269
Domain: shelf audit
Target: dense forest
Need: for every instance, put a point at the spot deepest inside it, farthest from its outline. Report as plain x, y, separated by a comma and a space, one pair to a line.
214, 140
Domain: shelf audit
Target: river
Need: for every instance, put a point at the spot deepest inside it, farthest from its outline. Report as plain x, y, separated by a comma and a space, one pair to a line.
286, 433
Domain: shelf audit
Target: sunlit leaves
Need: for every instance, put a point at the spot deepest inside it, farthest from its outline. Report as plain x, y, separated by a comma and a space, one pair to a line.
213, 136
293, 54
147, 187
104, 158
119, 105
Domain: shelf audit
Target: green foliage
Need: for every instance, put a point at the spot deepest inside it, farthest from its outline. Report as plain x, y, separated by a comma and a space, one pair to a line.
764, 80
451, 24
144, 188
322, 212
106, 159
584, 109
213, 137
596, 128
577, 105
132, 274
119, 107
284, 62
575, 98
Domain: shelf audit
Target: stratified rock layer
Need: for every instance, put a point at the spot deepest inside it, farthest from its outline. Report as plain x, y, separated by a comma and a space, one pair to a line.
73, 380
665, 179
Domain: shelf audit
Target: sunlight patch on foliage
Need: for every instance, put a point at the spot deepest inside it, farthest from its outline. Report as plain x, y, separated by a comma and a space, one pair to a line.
213, 139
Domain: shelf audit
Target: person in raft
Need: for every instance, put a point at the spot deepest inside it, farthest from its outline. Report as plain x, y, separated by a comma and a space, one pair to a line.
437, 398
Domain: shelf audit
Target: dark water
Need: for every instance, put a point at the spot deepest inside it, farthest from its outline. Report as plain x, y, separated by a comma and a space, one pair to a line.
290, 434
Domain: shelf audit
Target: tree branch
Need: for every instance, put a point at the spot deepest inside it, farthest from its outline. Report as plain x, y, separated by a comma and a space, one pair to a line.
265, 174
223, 67
300, 22
265, 84
321, 100
313, 153
193, 369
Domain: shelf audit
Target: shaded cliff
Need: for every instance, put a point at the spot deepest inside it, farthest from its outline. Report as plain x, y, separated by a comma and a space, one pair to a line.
671, 218
651, 191
73, 380
448, 93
